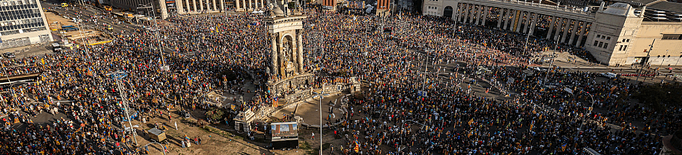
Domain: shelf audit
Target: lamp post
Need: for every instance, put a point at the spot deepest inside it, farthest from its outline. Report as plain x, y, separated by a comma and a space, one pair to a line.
647, 60
117, 76
591, 107
156, 34
454, 28
162, 149
321, 96
552, 62
321, 93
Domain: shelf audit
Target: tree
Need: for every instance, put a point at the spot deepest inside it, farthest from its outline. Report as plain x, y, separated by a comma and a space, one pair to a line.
659, 96
215, 114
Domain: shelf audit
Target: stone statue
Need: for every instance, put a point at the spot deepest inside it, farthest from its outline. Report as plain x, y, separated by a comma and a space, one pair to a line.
271, 10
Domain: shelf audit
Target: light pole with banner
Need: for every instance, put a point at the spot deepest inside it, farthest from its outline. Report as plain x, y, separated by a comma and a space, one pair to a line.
321, 94
118, 76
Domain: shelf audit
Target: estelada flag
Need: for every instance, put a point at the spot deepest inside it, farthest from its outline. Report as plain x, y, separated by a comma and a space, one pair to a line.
357, 147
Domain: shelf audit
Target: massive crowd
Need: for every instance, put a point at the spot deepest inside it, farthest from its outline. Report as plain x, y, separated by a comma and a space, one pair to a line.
420, 53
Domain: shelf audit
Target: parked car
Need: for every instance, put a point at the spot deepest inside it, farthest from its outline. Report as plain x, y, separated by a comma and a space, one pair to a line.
9, 55
609, 75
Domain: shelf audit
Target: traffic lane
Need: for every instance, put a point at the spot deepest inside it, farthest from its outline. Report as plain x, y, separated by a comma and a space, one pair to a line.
109, 20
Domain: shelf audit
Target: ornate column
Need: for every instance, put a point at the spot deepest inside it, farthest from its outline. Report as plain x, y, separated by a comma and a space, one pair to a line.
506, 19
188, 8
194, 2
280, 45
250, 5
214, 6
466, 12
460, 13
472, 14
582, 34
222, 5
179, 8
201, 6
499, 18
518, 19
478, 14
558, 29
273, 55
238, 7
300, 52
533, 23
566, 29
551, 27
485, 15
262, 4
573, 31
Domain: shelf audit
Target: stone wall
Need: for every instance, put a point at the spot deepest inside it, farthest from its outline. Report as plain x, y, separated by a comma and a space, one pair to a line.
299, 96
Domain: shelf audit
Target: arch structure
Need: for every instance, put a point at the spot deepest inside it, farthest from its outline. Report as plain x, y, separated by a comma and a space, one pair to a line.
286, 74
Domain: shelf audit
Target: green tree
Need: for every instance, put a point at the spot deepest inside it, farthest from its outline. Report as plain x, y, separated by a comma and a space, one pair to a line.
215, 114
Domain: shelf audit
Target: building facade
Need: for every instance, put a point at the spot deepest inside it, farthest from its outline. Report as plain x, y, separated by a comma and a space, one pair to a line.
22, 22
617, 34
137, 5
201, 6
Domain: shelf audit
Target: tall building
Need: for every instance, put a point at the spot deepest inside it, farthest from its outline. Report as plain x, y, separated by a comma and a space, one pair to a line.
621, 33
159, 6
22, 22
383, 7
214, 6
165, 8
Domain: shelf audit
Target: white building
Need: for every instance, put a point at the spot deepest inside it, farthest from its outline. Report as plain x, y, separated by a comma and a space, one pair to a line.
22, 22
616, 35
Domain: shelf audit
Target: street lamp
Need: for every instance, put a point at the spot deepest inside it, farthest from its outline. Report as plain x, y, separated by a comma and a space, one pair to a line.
321, 96
117, 76
156, 33
591, 107
551, 62
162, 148
651, 47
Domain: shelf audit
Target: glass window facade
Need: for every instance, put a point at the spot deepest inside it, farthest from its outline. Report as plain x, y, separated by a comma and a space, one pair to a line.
20, 16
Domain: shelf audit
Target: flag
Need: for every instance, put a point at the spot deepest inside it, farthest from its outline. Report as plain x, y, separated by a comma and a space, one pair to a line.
357, 146
471, 121
568, 90
531, 125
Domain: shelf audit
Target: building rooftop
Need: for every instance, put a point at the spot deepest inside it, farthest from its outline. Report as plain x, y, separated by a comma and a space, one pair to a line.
667, 6
636, 3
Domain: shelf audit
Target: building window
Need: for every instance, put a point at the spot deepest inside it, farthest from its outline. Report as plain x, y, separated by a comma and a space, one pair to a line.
672, 36
621, 48
595, 43
600, 43
625, 47
598, 36
606, 45
608, 38
603, 37
627, 40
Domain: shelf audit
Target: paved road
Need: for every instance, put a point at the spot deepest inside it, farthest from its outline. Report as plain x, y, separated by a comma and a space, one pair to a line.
90, 11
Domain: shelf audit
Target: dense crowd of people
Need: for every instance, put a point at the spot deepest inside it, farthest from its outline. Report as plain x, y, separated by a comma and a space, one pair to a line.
421, 74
